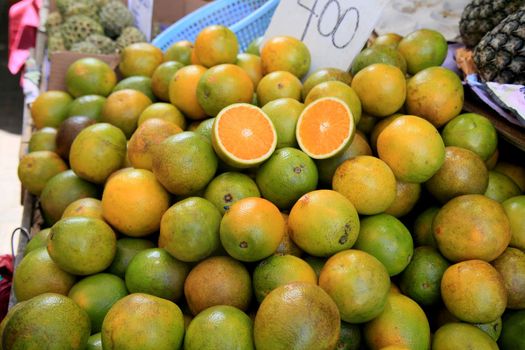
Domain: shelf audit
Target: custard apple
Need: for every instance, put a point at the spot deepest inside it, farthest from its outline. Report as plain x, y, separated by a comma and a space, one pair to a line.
130, 35
53, 21
84, 47
55, 42
79, 27
114, 17
103, 43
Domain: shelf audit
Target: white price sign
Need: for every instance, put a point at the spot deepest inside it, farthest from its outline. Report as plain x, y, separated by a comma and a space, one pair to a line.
334, 31
142, 10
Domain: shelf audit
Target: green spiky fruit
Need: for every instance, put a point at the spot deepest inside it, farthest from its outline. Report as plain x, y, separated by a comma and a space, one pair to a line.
81, 8
114, 17
53, 21
55, 42
77, 28
130, 35
103, 43
85, 47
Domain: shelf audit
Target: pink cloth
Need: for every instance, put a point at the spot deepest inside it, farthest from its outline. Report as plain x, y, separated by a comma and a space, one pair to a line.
23, 23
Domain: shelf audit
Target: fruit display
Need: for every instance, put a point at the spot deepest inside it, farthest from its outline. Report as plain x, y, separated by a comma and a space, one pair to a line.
217, 199
102, 27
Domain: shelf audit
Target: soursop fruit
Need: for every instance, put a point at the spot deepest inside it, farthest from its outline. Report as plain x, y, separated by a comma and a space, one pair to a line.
62, 5
500, 55
53, 21
55, 42
103, 43
130, 35
82, 8
84, 47
77, 28
114, 17
480, 16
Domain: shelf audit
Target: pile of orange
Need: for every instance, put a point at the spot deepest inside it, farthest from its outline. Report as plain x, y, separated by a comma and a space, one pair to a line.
218, 199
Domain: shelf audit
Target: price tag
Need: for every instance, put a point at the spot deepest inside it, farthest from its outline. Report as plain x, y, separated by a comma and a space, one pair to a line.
142, 10
334, 31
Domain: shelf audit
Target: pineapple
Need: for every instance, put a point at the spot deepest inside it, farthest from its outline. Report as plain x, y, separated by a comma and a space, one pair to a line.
500, 55
480, 16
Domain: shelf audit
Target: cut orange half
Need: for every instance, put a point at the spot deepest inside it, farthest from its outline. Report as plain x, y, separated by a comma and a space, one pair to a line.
325, 128
243, 135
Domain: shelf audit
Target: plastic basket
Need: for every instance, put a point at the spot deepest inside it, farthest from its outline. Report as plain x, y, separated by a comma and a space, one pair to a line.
248, 19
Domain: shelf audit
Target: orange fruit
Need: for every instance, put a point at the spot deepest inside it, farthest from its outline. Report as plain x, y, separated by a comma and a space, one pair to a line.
286, 176
180, 52
60, 191
279, 270
350, 338
137, 82
463, 172
48, 319
322, 230
123, 109
254, 46
194, 59
228, 188
50, 108
146, 139
204, 128
462, 336
183, 91
140, 59
421, 279
288, 328
36, 168
436, 94
216, 44
251, 229
37, 273
315, 262
358, 283
324, 74
127, 248
423, 48
189, 229
493, 329
87, 105
278, 84
473, 132
326, 167
474, 291
184, 163
423, 233
67, 133
325, 128
134, 201
391, 39
412, 148
96, 294
94, 342
38, 240
90, 76
151, 323
388, 240
284, 113
471, 226
226, 327
379, 127
218, 280
155, 272
339, 90
43, 140
493, 159
367, 182
512, 332
367, 123
511, 266
161, 77
381, 89
243, 135
379, 54
87, 207
407, 195
82, 245
287, 246
252, 66
402, 323
97, 152
501, 187
223, 85
515, 209
165, 111
514, 171
285, 53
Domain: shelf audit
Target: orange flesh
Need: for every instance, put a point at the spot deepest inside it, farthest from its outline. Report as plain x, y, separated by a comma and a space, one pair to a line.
245, 133
324, 127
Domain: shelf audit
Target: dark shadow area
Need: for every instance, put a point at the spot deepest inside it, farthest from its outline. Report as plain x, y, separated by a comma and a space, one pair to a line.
11, 94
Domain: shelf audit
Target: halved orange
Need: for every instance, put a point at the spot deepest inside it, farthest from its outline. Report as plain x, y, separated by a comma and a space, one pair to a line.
325, 128
243, 135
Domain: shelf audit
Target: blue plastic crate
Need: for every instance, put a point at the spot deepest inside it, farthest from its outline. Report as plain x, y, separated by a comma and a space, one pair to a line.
248, 19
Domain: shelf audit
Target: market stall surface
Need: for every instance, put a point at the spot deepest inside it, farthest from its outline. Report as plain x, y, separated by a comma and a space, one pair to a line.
11, 103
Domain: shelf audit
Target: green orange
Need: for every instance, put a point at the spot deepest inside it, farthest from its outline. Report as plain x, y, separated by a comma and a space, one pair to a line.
227, 188
285, 53
423, 48
339, 90
50, 108
216, 44
90, 76
36, 168
324, 74
140, 59
160, 80
284, 113
278, 84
